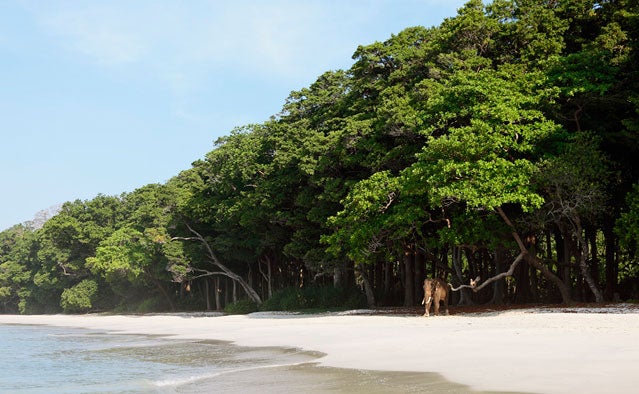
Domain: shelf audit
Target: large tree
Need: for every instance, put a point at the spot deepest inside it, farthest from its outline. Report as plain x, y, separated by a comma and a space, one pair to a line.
486, 130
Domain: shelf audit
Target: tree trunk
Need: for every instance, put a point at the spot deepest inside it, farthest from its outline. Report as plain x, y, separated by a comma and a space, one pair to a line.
464, 298
536, 262
591, 238
548, 244
583, 262
269, 271
498, 287
612, 269
368, 290
568, 262
388, 277
444, 261
268, 275
563, 256
409, 276
350, 273
216, 288
234, 291
338, 276
534, 285
523, 293
420, 267
208, 294
225, 291
378, 282
163, 291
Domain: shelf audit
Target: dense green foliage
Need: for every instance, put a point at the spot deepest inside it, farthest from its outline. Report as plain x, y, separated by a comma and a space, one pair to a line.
79, 298
314, 298
241, 307
503, 140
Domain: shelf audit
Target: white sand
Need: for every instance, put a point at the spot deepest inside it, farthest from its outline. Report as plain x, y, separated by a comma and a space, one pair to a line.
531, 350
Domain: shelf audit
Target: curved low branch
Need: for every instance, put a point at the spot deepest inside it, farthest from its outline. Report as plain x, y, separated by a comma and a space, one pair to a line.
533, 260
206, 273
523, 255
225, 270
474, 282
508, 273
472, 285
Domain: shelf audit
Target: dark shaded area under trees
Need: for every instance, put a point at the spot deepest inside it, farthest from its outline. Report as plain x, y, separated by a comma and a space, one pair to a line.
503, 141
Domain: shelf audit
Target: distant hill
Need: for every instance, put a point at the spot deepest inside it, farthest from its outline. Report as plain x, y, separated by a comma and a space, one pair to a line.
42, 216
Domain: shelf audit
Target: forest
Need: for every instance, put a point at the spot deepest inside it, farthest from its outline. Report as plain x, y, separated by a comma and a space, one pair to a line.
502, 143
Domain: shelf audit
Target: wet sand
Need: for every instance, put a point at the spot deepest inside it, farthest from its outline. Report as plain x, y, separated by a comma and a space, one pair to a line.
313, 378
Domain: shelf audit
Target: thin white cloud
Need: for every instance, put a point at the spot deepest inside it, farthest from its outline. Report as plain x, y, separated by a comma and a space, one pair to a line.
259, 35
98, 31
181, 44
185, 45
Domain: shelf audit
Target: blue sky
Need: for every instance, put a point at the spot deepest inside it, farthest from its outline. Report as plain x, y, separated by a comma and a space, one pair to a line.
108, 96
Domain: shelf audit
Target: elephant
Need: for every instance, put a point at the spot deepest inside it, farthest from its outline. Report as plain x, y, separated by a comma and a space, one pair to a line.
435, 291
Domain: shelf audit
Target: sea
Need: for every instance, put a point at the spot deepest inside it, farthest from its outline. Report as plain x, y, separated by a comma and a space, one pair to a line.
44, 359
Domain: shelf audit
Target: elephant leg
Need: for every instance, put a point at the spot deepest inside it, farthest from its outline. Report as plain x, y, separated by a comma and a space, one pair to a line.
427, 308
446, 304
437, 305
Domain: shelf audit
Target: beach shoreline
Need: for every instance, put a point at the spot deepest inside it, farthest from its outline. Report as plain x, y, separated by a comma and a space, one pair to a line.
537, 350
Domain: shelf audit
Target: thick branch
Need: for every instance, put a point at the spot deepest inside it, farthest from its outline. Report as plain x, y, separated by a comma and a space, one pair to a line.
391, 198
523, 252
472, 285
226, 272
508, 273
206, 273
64, 269
532, 260
520, 243
523, 255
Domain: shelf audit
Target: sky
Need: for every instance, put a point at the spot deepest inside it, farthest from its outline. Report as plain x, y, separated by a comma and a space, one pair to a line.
104, 97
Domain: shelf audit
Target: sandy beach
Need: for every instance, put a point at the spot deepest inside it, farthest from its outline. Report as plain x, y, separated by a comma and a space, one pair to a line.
541, 350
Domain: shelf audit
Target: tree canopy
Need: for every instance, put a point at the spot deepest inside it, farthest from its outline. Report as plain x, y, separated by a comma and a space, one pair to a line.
501, 144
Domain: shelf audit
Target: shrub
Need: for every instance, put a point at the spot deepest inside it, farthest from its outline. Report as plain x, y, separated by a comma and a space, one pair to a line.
79, 298
314, 297
295, 300
355, 300
241, 307
276, 302
149, 305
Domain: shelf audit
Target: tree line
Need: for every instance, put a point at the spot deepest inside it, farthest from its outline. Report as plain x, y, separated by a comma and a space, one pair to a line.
500, 144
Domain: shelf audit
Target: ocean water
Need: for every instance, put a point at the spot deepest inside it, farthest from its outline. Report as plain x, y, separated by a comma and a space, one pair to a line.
44, 359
